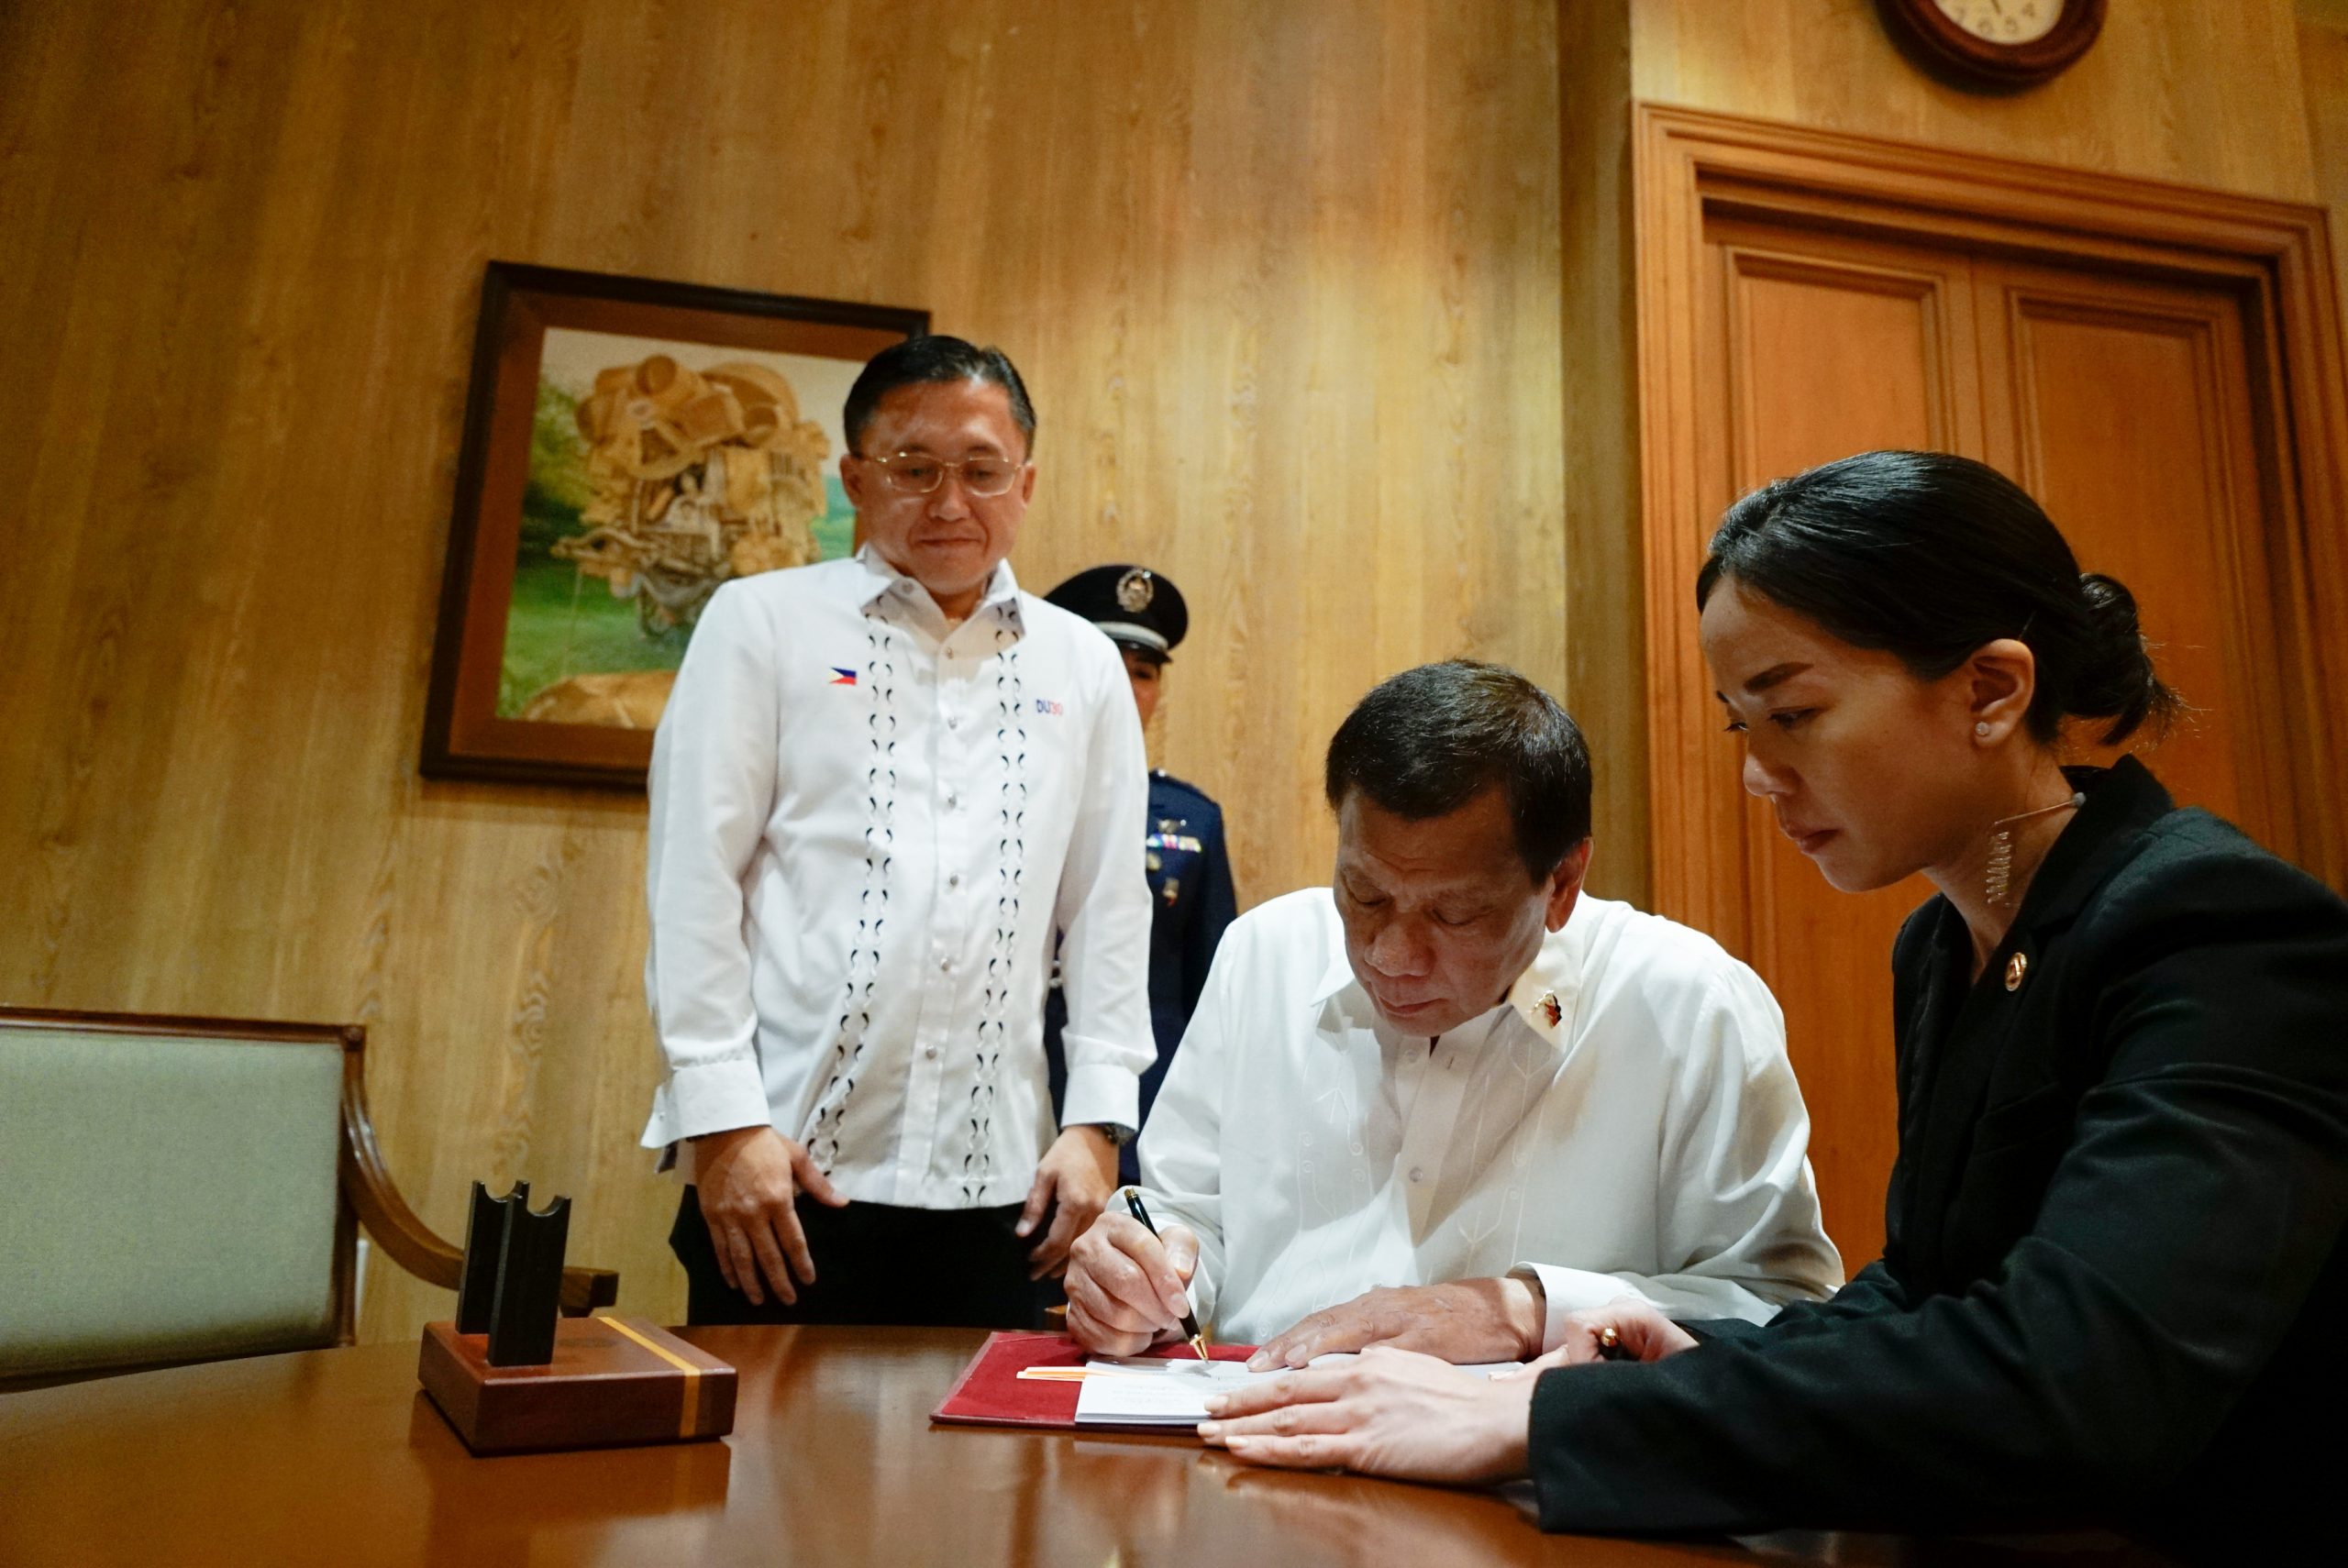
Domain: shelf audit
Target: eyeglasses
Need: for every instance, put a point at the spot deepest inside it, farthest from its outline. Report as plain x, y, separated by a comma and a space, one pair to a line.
911, 473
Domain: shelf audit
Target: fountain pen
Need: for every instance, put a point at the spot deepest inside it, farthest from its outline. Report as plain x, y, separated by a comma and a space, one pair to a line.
1190, 1320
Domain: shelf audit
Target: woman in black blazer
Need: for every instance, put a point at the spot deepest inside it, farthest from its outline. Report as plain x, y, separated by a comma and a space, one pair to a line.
2113, 1289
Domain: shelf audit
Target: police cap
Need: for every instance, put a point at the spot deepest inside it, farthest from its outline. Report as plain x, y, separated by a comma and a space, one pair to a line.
1134, 604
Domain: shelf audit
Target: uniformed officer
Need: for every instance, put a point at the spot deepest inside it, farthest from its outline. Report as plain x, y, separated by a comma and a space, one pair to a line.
1190, 871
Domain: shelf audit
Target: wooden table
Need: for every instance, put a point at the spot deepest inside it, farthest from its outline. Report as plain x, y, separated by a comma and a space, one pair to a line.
336, 1457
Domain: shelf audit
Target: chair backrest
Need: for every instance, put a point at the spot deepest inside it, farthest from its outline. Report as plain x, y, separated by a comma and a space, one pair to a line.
169, 1191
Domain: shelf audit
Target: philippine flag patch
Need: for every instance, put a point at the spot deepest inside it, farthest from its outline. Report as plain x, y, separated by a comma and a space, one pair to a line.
842, 677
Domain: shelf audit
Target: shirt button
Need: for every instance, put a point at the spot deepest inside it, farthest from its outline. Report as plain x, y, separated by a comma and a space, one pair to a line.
946, 966
953, 803
930, 1051
954, 723
954, 882
1418, 1173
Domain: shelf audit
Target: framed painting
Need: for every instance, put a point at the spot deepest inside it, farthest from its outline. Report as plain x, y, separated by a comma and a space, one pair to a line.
629, 447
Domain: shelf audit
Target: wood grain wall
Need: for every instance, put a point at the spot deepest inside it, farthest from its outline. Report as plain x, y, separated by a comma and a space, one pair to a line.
1284, 279
1605, 655
2204, 92
2323, 76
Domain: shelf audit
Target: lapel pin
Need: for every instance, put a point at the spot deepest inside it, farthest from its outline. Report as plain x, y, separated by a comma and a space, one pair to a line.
2017, 969
1551, 1012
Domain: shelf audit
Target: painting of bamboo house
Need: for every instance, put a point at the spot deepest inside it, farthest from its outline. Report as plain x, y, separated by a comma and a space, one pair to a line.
656, 451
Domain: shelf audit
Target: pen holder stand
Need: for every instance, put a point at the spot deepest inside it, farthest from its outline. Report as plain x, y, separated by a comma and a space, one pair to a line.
512, 1374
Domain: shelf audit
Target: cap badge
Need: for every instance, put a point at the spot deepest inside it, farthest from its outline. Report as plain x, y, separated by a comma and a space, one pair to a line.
1134, 590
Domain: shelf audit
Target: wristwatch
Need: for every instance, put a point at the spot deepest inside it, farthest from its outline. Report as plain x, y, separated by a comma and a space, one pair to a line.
1118, 1134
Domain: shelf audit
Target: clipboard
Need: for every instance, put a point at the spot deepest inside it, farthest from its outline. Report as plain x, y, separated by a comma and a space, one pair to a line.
991, 1393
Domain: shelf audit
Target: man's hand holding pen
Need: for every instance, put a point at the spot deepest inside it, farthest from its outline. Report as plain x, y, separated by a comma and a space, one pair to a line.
1125, 1287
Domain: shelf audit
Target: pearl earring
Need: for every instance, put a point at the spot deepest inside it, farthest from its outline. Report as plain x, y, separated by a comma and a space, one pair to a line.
1982, 729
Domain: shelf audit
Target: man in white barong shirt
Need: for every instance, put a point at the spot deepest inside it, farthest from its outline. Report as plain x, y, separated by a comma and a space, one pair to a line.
879, 786
1451, 1100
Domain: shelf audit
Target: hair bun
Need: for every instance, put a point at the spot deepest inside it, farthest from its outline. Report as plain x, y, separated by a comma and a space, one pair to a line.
2115, 679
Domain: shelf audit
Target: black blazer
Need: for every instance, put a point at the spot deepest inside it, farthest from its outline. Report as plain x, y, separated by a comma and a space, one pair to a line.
2113, 1289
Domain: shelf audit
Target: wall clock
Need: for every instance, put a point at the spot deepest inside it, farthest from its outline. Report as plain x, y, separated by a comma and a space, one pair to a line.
1997, 43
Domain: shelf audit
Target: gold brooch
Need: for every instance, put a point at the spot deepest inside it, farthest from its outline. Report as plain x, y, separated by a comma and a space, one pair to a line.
2017, 967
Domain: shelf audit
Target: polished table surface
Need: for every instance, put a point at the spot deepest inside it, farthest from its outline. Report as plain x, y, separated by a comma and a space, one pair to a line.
335, 1457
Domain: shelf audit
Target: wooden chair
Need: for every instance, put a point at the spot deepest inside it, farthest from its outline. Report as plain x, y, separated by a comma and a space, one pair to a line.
177, 1190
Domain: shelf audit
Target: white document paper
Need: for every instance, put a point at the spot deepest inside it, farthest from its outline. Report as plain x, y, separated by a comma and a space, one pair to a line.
1140, 1392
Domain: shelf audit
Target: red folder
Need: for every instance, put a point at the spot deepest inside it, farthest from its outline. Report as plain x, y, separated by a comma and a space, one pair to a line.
991, 1393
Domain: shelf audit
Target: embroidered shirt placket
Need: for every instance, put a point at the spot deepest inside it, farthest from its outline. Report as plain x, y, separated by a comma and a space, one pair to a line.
883, 730
1009, 828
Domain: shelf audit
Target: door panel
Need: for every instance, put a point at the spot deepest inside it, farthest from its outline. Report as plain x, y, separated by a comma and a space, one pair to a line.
1829, 346
2126, 409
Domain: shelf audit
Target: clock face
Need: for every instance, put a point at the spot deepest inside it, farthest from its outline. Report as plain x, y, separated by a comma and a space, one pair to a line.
2003, 21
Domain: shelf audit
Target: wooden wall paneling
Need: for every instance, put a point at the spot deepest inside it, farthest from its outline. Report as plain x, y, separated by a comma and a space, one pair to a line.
54, 399
2203, 92
2324, 81
1284, 283
1605, 686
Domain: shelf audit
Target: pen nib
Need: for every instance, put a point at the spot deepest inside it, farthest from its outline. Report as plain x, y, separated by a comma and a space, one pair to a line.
1198, 1343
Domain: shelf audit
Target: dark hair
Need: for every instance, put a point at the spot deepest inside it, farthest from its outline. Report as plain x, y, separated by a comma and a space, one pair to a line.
1928, 557
935, 357
1425, 743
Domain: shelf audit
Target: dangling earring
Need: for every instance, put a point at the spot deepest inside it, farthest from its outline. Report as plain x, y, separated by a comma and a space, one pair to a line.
1998, 884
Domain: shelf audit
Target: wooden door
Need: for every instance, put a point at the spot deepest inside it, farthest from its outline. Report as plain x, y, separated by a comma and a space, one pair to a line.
2163, 366
2127, 407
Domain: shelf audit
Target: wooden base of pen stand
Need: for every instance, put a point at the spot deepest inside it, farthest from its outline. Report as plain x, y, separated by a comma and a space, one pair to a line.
614, 1382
